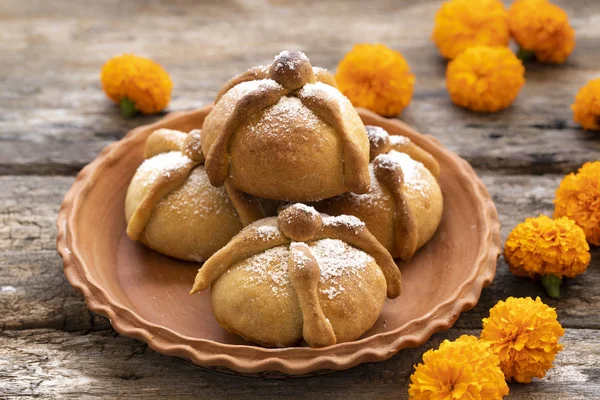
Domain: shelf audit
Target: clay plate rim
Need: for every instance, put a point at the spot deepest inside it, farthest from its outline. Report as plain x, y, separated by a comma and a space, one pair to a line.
292, 360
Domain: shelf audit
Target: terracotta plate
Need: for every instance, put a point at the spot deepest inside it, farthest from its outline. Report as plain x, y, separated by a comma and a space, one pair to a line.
145, 295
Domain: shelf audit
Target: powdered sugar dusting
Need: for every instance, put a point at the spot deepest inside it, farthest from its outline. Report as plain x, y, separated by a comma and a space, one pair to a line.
377, 135
267, 232
320, 88
307, 209
196, 143
243, 88
187, 198
163, 164
283, 61
334, 257
333, 291
286, 114
301, 260
399, 140
269, 266
413, 171
374, 198
347, 221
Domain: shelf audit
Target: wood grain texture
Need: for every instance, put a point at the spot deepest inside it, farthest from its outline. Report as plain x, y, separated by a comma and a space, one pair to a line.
54, 119
54, 122
59, 365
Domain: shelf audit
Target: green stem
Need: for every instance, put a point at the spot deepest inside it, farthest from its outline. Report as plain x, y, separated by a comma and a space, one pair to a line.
552, 285
525, 55
127, 108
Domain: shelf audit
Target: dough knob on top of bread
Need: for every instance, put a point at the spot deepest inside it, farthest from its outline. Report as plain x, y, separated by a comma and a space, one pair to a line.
292, 70
299, 222
301, 275
285, 132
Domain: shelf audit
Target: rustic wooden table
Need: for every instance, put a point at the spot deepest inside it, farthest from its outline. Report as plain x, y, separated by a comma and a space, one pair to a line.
54, 119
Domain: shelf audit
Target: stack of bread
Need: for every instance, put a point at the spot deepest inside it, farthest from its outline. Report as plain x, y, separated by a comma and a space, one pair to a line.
350, 199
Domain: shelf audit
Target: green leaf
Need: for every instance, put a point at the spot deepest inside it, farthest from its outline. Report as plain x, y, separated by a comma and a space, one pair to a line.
525, 55
552, 285
127, 108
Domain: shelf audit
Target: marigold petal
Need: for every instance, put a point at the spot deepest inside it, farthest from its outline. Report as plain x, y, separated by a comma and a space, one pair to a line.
524, 334
461, 24
578, 198
376, 77
542, 27
463, 369
138, 79
545, 246
485, 79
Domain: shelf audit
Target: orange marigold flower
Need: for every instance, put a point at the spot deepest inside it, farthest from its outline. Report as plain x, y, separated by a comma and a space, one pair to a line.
463, 369
578, 197
376, 77
524, 334
485, 79
136, 84
586, 109
460, 24
547, 248
542, 28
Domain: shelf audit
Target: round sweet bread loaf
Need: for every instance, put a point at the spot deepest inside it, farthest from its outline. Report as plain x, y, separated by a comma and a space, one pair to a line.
171, 206
404, 204
302, 275
285, 132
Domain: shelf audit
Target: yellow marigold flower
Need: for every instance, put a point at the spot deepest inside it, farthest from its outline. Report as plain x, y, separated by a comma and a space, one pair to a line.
463, 369
460, 24
136, 84
549, 249
376, 77
524, 334
586, 109
542, 28
485, 79
578, 197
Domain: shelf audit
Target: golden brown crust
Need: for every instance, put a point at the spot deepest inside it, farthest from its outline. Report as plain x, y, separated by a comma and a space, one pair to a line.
406, 236
243, 245
323, 75
192, 146
303, 269
418, 154
354, 232
164, 140
381, 142
292, 70
248, 207
249, 242
260, 88
403, 216
228, 120
160, 141
162, 185
253, 74
341, 115
299, 223
304, 276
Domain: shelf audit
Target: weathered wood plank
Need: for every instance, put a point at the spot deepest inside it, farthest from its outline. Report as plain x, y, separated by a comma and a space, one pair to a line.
59, 365
54, 123
35, 293
28, 211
